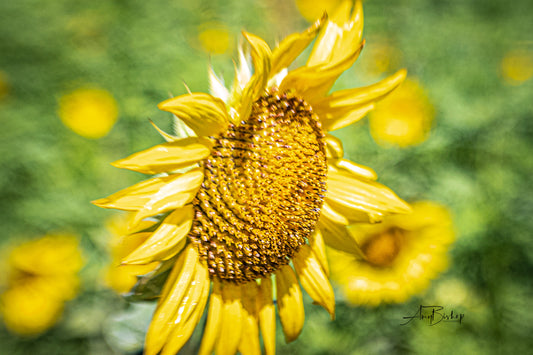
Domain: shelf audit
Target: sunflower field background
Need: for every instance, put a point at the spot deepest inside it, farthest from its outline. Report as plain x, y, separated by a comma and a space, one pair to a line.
62, 63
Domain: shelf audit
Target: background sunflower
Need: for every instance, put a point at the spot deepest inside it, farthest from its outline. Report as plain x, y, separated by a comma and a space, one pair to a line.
477, 159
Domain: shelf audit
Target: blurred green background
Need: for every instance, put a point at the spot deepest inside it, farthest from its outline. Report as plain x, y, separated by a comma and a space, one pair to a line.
478, 159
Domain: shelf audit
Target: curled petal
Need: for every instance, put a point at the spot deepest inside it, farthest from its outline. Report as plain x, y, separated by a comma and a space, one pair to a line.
290, 304
336, 234
334, 149
267, 316
344, 107
292, 46
204, 114
261, 57
340, 35
167, 156
166, 241
313, 279
314, 82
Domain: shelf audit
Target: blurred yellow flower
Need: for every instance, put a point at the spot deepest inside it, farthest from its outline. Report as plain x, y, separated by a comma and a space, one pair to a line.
313, 9
215, 37
243, 203
41, 276
404, 118
122, 278
399, 256
91, 113
379, 57
517, 66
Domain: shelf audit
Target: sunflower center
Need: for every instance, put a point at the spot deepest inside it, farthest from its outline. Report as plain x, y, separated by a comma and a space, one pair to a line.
383, 248
263, 190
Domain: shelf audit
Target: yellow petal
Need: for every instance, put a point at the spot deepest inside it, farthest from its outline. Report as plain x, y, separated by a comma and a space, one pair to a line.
344, 107
250, 333
290, 304
347, 193
261, 57
204, 114
292, 46
343, 119
177, 193
232, 319
313, 279
136, 196
314, 82
267, 316
188, 311
334, 149
216, 86
340, 36
337, 236
357, 169
168, 137
166, 241
316, 242
214, 320
167, 156
177, 285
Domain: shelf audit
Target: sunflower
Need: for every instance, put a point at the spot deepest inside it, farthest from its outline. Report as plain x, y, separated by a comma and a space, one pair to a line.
89, 112
249, 201
404, 118
41, 275
400, 256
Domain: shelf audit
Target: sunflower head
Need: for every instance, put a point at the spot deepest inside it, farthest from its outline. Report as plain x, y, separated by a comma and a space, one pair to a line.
41, 276
399, 256
252, 196
89, 112
404, 118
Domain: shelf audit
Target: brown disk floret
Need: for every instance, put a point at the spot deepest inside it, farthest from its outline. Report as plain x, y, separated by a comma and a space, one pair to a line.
263, 189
